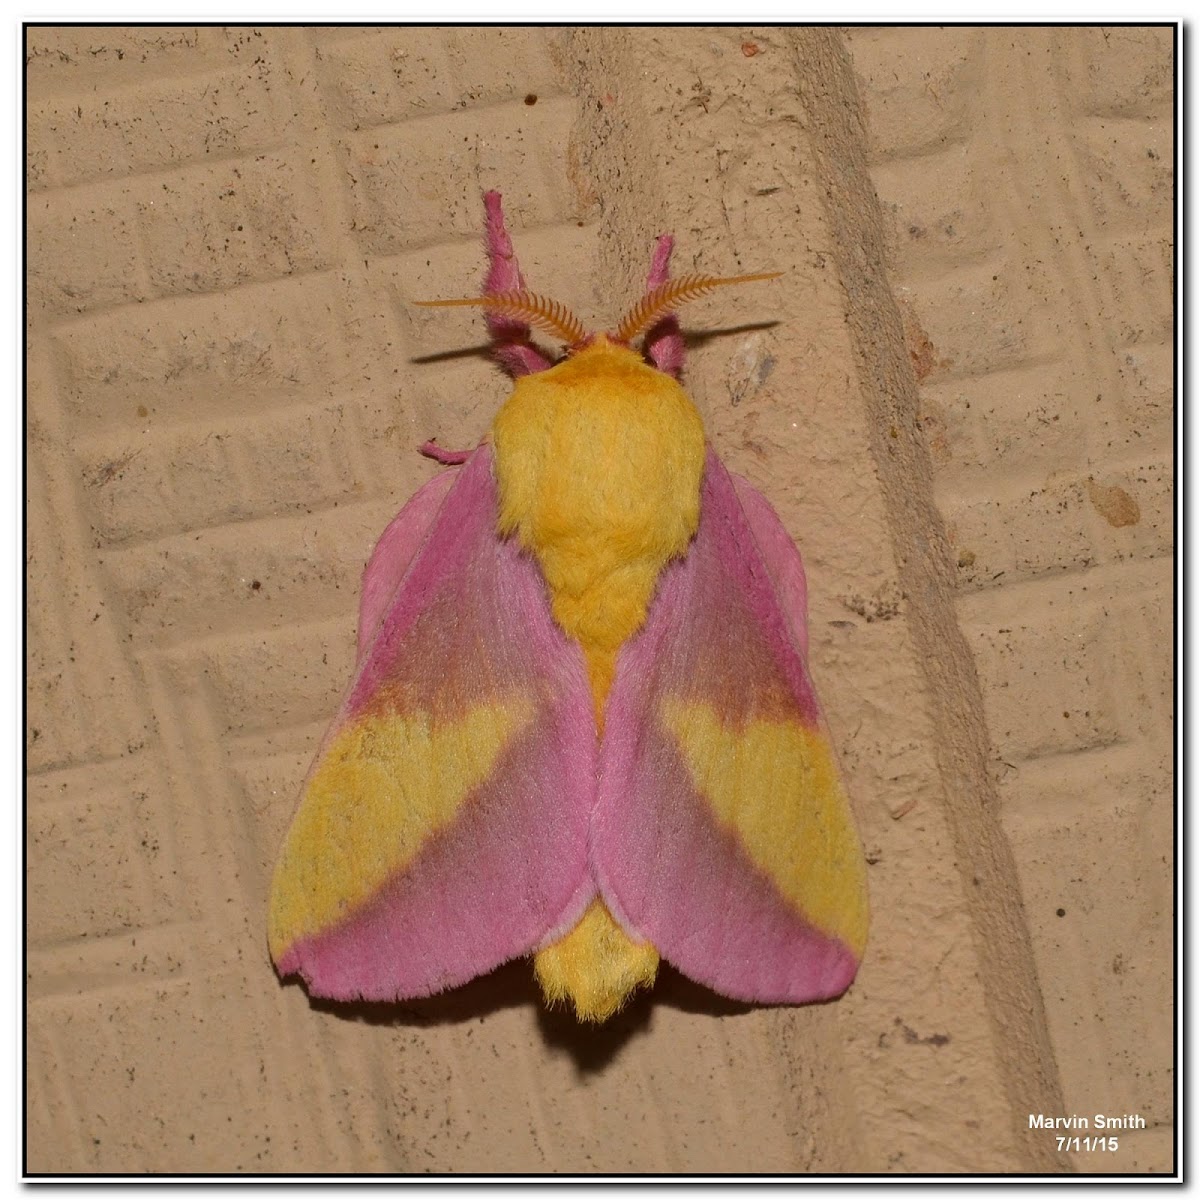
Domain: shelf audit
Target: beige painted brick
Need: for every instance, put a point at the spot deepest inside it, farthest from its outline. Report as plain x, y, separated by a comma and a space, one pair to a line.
103, 826
142, 954
937, 210
259, 679
51, 1120
380, 78
1116, 71
184, 447
84, 700
296, 458
112, 134
1053, 475
84, 252
1006, 538
919, 92
979, 320
265, 774
1106, 952
167, 361
455, 408
71, 57
1058, 521
112, 1048
1146, 400
1127, 166
53, 730
510, 143
1137, 275
1136, 507
1047, 689
1139, 1152
393, 75
990, 431
246, 220
1144, 612
504, 64
300, 569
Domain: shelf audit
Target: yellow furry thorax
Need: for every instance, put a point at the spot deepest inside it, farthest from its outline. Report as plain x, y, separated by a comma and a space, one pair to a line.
598, 465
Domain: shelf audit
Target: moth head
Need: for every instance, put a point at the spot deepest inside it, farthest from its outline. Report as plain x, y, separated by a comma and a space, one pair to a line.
553, 317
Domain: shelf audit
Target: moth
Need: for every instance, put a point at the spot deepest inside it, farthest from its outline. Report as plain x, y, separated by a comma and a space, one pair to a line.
581, 725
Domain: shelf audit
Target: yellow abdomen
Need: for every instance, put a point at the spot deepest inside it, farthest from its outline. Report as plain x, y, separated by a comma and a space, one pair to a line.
598, 464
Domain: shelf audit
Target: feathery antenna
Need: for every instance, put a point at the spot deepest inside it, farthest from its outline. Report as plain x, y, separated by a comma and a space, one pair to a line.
670, 295
548, 314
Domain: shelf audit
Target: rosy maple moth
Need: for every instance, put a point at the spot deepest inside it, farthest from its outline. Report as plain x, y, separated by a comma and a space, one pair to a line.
581, 726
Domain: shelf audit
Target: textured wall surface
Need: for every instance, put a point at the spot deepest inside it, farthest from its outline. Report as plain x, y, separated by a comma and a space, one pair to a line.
959, 398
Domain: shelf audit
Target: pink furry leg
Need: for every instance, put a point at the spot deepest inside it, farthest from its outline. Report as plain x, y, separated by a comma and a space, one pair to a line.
664, 342
510, 338
448, 458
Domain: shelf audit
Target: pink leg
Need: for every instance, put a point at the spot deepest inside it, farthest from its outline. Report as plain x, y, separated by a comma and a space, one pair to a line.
664, 343
448, 458
510, 338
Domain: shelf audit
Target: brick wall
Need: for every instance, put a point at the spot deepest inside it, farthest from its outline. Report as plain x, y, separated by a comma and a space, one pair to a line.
969, 434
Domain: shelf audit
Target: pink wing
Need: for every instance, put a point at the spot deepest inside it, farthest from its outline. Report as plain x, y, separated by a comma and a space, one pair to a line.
722, 832
394, 552
443, 827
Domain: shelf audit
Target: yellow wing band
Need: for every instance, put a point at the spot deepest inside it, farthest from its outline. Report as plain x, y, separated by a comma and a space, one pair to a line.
385, 785
776, 785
